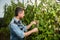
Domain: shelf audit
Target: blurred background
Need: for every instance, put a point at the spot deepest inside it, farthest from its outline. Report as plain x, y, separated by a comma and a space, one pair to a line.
47, 12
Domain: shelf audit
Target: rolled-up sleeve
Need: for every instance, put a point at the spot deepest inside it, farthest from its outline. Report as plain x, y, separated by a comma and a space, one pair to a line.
25, 28
17, 30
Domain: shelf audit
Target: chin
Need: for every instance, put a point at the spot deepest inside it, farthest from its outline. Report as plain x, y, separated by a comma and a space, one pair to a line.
21, 18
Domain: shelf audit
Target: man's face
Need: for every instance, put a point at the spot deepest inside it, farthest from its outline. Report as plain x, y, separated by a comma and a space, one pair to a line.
21, 14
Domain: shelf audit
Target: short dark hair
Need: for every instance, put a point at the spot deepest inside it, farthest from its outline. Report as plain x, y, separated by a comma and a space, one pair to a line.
17, 10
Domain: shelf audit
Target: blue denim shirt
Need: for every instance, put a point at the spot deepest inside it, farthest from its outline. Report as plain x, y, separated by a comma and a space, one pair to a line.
17, 29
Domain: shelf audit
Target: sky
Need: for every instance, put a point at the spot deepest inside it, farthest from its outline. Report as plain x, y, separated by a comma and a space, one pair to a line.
3, 2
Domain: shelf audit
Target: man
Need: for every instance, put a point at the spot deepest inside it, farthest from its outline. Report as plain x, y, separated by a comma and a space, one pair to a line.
17, 30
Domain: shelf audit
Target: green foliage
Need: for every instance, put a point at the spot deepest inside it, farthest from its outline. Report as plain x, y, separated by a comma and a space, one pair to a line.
47, 15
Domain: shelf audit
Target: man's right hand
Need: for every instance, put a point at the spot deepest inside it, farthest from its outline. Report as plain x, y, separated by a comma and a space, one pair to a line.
35, 30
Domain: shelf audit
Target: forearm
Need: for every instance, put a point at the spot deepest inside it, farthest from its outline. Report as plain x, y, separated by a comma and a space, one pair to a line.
28, 26
28, 33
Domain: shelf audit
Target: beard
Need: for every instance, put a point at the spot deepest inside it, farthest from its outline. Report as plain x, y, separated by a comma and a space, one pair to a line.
21, 17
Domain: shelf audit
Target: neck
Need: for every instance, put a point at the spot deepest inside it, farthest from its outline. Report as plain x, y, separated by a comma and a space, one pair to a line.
17, 18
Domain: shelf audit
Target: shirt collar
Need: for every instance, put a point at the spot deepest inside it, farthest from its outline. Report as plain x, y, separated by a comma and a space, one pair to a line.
16, 19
